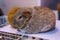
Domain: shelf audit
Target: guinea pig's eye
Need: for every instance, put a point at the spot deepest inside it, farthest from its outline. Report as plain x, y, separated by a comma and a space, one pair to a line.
20, 17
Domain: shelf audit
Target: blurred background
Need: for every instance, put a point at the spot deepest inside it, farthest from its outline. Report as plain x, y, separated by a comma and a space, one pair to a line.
6, 5
52, 4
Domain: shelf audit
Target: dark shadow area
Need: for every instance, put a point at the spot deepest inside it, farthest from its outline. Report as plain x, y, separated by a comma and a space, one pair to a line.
1, 12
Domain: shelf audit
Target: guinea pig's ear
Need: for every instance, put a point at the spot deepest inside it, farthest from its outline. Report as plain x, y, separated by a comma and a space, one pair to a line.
37, 7
27, 9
